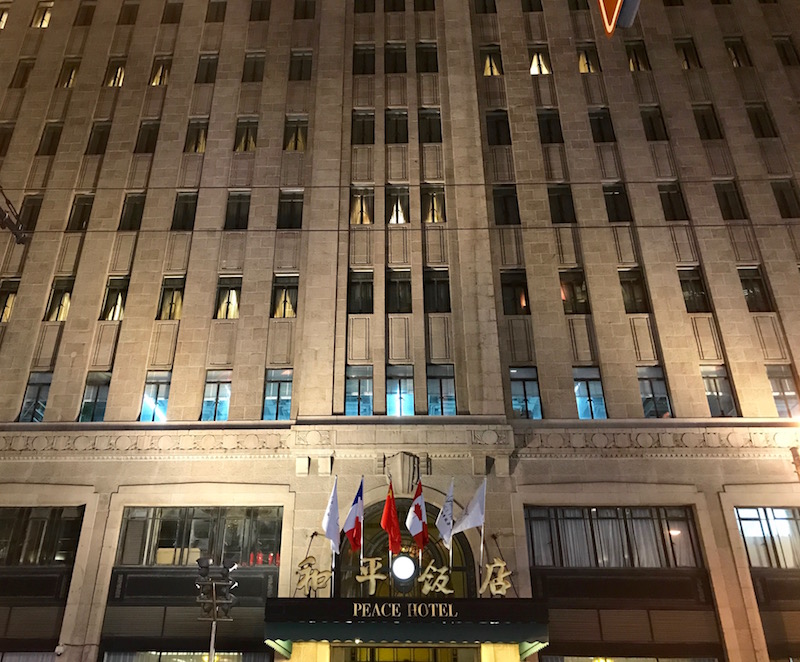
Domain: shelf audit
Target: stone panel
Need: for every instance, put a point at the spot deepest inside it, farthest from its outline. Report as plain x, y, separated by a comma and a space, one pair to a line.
520, 339
706, 337
69, 253
176, 257
280, 344
770, 336
398, 252
440, 342
400, 339
47, 345
580, 334
643, 341
231, 253
358, 338
122, 255
105, 345
287, 250
222, 343
162, 346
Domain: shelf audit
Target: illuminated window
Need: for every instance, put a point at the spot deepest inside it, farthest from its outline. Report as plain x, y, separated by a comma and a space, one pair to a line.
8, 294
35, 399
3, 16
433, 205
196, 136
492, 61
719, 391
637, 56
155, 397
525, 399
246, 135
216, 395
278, 395
771, 536
358, 395
41, 17
362, 206
284, 296
653, 389
95, 397
295, 134
115, 72
784, 390
540, 61
441, 383
69, 71
60, 297
229, 294
588, 62
687, 54
514, 289
171, 305
114, 303
397, 205
589, 393
160, 72
399, 390
755, 290
573, 292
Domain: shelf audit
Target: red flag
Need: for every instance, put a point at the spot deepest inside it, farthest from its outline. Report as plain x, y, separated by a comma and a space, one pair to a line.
390, 522
417, 519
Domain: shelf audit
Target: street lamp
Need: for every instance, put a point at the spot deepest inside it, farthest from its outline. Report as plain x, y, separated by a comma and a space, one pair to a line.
215, 599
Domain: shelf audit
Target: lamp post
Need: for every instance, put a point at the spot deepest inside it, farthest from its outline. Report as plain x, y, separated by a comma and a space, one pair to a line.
215, 599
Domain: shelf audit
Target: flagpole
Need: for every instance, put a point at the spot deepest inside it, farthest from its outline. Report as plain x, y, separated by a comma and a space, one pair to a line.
361, 546
483, 529
391, 489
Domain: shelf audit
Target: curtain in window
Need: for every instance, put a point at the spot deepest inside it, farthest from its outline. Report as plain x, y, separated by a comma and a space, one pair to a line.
397, 214
360, 209
539, 65
585, 63
786, 534
609, 533
541, 542
646, 540
574, 534
114, 307
245, 139
492, 64
228, 304
286, 303
434, 207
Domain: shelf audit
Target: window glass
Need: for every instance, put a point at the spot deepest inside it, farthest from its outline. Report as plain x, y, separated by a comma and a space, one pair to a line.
525, 399
771, 536
498, 131
6, 131
653, 389
114, 302
41, 17
427, 59
69, 71
506, 206
398, 291
156, 396
358, 390
237, 210
784, 389
549, 127
206, 69
396, 127
359, 293
290, 210
216, 11
436, 290
653, 122
634, 291
278, 395
184, 213
246, 136
433, 208
8, 294
761, 121
40, 536
573, 292
363, 131
259, 10
300, 66
196, 136
687, 54
132, 212
217, 395
618, 207
441, 390
394, 59
284, 296
514, 286
95, 397
147, 138
85, 14
399, 390
430, 126
602, 128
115, 72
707, 124
229, 295
304, 8
51, 137
540, 61
159, 75
60, 297
672, 202
787, 198
98, 138
128, 13
637, 56
695, 295
589, 393
588, 62
172, 12
171, 305
362, 206
562, 208
755, 290
738, 52
719, 391
80, 213
397, 205
35, 398
363, 60
492, 61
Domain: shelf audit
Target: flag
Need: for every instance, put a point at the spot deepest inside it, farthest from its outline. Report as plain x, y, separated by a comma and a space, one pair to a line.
354, 522
330, 520
417, 518
390, 522
475, 513
444, 520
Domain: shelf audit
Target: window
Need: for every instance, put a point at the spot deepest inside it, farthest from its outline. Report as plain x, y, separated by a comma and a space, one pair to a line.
637, 56
396, 127
156, 396
278, 395
39, 536
394, 59
540, 61
617, 206
172, 12
718, 391
427, 59
69, 71
147, 138
206, 69
35, 399
196, 135
634, 291
81, 210
589, 393
506, 207
362, 206
363, 129
787, 51
771, 536
398, 291
8, 294
730, 202
160, 72
653, 389
755, 290
295, 134
246, 135
364, 6
738, 53
687, 54
786, 197
562, 209
21, 74
114, 302
98, 138
525, 400
3, 16
179, 536
485, 7
430, 126
300, 66
588, 62
514, 290
602, 128
358, 390
229, 294
171, 305
184, 213
672, 202
573, 292
359, 293
29, 212
95, 397
436, 290
492, 61
216, 11
707, 123
441, 390
637, 537
497, 128
304, 9
284, 296
128, 13
577, 5
60, 296
253, 71
549, 127
653, 122
363, 60
290, 210
51, 136
237, 210
115, 72
399, 390
761, 121
531, 5
784, 390
259, 10
433, 206
6, 131
694, 291
41, 17
217, 395
394, 5
397, 205
85, 14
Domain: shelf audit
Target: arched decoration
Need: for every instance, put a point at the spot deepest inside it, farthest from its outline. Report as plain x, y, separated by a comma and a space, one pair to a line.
376, 544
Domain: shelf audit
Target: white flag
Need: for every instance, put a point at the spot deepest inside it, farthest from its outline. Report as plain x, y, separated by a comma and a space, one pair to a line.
475, 513
330, 520
444, 520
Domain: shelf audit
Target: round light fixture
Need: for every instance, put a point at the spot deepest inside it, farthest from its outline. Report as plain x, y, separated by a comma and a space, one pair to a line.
403, 567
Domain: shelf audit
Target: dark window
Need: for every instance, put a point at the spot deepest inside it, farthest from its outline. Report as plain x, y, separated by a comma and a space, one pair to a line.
617, 206
237, 210
573, 292
653, 389
634, 291
284, 296
506, 207
115, 72
514, 289
6, 131
588, 61
436, 290
653, 122
185, 209
132, 211
396, 127
397, 205
755, 290
363, 60
246, 136
229, 296
707, 124
295, 134
155, 396
602, 128
128, 13
206, 69
578, 5
549, 127
427, 59
95, 397
259, 10
485, 7
424, 5
498, 131
362, 206
433, 205
394, 5
196, 135
672, 202
687, 54
398, 291
29, 212
761, 121
394, 59
738, 53
363, 129
359, 293
60, 299
430, 126
719, 391
300, 66
290, 210
253, 70
562, 209
39, 536
441, 381
529, 6
85, 14
525, 400
358, 394
787, 198
637, 56
81, 210
784, 392
159, 74
216, 11
278, 395
172, 12
51, 136
364, 6
304, 8
98, 138
492, 61
147, 138
695, 295
69, 71
114, 302
787, 51
171, 305
730, 202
